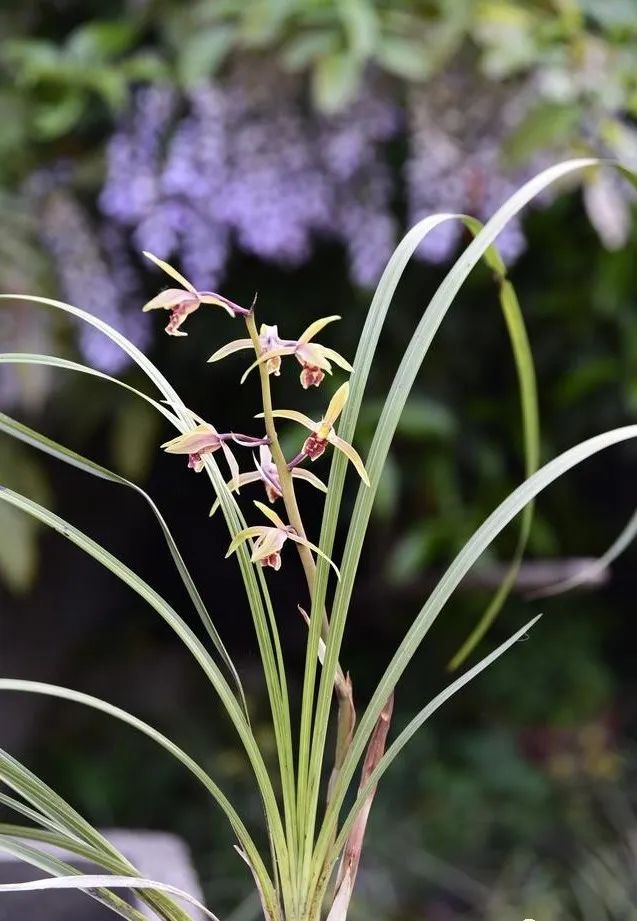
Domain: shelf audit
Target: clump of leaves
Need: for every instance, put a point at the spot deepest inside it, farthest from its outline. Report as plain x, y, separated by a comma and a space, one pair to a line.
315, 850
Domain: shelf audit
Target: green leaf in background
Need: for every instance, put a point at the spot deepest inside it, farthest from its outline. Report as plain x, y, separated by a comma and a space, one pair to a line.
301, 51
424, 418
548, 124
335, 80
134, 439
404, 57
19, 547
19, 552
101, 40
361, 26
52, 120
204, 52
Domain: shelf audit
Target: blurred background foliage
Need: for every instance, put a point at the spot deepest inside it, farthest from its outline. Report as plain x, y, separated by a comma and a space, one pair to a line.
283, 146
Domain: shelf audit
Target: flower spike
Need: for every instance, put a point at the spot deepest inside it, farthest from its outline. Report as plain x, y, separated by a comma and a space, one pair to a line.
322, 433
268, 541
267, 474
185, 300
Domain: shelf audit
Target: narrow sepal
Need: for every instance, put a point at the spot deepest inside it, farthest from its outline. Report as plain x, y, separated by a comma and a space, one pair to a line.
236, 346
306, 543
314, 328
351, 454
293, 416
169, 270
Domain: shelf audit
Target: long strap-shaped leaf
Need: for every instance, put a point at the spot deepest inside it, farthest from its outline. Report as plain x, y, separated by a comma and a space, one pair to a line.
255, 584
62, 841
16, 805
399, 392
531, 433
52, 690
362, 364
84, 883
596, 567
473, 549
34, 358
17, 777
53, 448
184, 632
410, 730
59, 868
526, 386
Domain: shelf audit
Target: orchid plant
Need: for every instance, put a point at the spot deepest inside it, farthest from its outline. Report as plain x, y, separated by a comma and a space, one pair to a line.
315, 829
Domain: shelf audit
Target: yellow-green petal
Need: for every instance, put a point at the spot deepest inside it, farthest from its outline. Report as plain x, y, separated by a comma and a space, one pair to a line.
302, 474
271, 541
315, 328
351, 453
293, 416
337, 358
336, 404
245, 534
306, 543
169, 270
231, 348
271, 514
266, 356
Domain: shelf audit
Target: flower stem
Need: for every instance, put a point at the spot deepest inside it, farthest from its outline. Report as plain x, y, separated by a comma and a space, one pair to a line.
346, 718
285, 476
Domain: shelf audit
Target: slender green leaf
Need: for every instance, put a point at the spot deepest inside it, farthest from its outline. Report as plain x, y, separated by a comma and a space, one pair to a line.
531, 427
596, 567
480, 247
97, 881
17, 777
31, 358
48, 446
51, 690
181, 629
362, 364
473, 549
255, 584
59, 868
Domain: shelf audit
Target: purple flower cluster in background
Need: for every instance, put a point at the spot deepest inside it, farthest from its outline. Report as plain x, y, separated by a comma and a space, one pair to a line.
458, 127
94, 272
249, 163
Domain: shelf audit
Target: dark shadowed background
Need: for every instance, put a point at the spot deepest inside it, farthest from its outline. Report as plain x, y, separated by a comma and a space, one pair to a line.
283, 148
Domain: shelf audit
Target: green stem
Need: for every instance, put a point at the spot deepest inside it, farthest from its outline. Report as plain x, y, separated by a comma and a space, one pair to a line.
346, 713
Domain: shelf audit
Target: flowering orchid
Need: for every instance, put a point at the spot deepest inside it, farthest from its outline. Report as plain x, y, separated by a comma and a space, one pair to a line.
314, 359
323, 433
185, 300
269, 540
269, 340
267, 473
205, 439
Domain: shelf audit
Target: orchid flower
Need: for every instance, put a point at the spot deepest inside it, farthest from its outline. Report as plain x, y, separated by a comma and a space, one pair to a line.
323, 433
185, 300
267, 473
314, 359
205, 439
269, 340
266, 549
